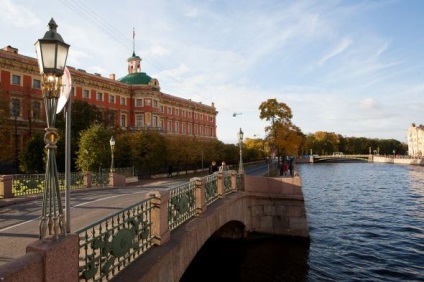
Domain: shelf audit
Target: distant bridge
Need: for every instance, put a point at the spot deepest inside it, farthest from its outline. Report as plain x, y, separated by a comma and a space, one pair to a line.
340, 158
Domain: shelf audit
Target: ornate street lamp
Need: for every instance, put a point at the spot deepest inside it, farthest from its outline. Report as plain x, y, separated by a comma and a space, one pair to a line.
112, 147
240, 137
52, 53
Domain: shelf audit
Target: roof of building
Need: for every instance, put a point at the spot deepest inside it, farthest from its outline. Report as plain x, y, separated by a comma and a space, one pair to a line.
136, 78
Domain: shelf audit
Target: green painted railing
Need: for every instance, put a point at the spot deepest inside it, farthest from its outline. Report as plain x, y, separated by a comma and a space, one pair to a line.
28, 184
109, 245
211, 188
181, 204
100, 179
227, 182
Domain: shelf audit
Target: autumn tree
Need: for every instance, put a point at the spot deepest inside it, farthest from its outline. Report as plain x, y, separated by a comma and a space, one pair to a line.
283, 135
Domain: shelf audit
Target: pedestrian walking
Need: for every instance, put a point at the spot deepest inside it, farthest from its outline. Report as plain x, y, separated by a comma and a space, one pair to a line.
223, 167
213, 168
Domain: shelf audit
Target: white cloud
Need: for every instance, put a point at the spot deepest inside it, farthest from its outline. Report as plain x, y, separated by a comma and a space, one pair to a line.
369, 104
17, 15
342, 46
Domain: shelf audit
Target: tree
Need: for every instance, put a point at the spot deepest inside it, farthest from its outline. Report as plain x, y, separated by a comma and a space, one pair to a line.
32, 157
94, 149
283, 135
276, 112
83, 115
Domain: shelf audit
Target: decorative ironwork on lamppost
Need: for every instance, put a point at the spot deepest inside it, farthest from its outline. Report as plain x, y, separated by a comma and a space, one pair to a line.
240, 137
112, 148
52, 53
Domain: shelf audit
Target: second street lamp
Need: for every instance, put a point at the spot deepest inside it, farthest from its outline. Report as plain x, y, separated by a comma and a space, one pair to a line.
112, 148
240, 137
52, 53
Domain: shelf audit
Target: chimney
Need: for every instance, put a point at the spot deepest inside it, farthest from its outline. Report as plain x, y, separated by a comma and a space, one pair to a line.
112, 76
10, 49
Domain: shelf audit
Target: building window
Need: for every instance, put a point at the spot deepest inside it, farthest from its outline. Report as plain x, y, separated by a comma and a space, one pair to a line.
184, 113
183, 129
211, 119
36, 110
123, 101
99, 96
36, 83
16, 79
169, 110
15, 108
155, 121
169, 126
155, 103
161, 123
161, 109
111, 99
148, 102
176, 112
189, 129
72, 91
139, 121
123, 120
139, 102
86, 94
177, 125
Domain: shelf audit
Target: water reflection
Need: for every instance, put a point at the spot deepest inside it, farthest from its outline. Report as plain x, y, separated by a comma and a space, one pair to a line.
366, 223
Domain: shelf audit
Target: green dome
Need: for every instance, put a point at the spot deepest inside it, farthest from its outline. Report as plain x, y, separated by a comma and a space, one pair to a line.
136, 78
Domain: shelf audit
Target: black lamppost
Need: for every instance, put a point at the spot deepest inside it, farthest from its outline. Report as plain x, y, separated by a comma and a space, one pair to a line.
112, 148
52, 53
15, 113
240, 137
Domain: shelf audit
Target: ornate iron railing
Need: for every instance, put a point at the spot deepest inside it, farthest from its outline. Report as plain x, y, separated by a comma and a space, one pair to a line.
181, 204
211, 188
238, 181
28, 184
227, 182
100, 179
109, 245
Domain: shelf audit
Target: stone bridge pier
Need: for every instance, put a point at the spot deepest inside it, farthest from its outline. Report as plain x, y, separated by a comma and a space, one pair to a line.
266, 205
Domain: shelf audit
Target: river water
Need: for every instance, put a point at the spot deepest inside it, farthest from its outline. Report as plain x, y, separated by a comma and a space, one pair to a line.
366, 223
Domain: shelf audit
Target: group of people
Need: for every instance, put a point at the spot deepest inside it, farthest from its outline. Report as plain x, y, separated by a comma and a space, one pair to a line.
214, 167
287, 168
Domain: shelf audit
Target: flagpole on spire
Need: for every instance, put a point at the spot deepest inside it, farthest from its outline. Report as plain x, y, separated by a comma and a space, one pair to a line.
133, 41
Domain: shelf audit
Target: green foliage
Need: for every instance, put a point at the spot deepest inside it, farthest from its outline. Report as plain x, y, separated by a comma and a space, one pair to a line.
328, 142
149, 151
94, 150
32, 157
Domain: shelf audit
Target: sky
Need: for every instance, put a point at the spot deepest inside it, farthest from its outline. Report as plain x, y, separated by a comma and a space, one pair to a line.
353, 67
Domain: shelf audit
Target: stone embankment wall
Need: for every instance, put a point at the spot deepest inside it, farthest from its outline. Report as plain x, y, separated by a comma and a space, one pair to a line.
398, 160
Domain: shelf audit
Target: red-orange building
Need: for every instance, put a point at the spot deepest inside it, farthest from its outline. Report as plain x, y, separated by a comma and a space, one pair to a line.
133, 102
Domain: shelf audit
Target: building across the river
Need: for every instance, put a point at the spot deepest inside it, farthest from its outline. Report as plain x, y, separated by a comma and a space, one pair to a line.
415, 137
133, 102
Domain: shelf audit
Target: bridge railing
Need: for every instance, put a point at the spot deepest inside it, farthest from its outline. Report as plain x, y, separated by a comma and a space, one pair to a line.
109, 245
343, 156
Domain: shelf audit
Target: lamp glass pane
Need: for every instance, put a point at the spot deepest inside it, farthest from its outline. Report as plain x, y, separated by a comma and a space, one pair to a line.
62, 54
39, 56
48, 51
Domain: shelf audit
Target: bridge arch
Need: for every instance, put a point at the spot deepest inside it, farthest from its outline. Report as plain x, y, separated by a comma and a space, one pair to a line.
267, 205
